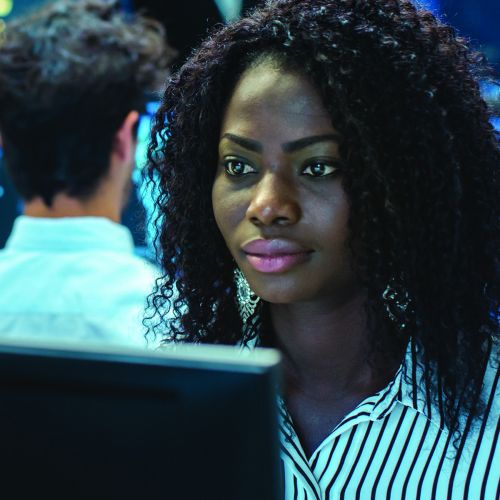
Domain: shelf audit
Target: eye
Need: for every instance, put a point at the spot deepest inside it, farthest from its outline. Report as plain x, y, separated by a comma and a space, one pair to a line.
319, 169
236, 168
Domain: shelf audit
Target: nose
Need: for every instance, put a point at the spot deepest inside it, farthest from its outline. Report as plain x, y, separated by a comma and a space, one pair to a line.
274, 202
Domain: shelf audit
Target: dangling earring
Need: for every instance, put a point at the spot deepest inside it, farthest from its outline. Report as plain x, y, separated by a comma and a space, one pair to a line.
397, 304
247, 300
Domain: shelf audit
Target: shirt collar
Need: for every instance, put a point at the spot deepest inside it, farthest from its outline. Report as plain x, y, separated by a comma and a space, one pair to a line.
69, 234
407, 387
415, 392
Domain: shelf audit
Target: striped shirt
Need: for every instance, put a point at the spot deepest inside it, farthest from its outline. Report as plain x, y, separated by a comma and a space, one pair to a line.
394, 446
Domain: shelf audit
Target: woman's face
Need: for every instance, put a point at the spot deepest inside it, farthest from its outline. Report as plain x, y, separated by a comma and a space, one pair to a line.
277, 195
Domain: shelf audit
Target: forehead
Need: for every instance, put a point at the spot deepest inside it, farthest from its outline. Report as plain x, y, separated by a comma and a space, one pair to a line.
268, 97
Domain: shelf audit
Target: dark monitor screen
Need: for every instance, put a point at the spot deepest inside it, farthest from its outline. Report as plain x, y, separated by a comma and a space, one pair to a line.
196, 424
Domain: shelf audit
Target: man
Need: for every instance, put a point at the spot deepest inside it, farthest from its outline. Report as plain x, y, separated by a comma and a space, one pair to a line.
73, 76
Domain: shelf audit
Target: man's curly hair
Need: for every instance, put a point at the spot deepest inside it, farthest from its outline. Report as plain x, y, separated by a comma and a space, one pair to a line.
69, 74
421, 174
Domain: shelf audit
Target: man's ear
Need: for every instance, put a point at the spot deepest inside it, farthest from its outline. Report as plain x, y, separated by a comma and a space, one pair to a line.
124, 141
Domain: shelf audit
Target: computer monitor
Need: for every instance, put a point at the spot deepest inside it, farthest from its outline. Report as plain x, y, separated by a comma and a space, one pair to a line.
197, 423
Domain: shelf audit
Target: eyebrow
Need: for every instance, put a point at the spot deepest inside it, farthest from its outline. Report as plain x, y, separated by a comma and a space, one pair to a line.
288, 147
249, 144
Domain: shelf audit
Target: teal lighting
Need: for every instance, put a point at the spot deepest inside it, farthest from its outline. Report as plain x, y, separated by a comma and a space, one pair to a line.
229, 9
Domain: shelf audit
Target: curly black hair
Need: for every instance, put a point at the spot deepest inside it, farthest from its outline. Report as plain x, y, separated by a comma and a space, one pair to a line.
422, 177
69, 74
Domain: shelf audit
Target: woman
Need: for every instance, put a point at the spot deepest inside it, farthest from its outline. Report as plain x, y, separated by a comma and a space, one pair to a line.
329, 187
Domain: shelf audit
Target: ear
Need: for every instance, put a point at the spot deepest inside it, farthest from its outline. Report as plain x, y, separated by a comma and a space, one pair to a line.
124, 141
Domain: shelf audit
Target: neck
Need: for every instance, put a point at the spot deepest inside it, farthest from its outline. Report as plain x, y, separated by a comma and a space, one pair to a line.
325, 348
67, 206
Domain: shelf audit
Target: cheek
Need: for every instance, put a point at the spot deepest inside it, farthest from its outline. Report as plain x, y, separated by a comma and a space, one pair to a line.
331, 220
227, 207
339, 234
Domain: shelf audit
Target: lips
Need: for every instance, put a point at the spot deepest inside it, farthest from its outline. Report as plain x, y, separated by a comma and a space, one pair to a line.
276, 255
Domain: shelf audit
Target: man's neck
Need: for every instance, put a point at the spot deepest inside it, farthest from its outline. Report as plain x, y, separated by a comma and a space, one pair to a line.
67, 206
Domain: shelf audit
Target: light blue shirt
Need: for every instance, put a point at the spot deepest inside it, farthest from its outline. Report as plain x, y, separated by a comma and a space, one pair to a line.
73, 278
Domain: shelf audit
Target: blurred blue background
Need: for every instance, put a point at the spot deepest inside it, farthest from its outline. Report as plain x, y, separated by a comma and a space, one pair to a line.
188, 20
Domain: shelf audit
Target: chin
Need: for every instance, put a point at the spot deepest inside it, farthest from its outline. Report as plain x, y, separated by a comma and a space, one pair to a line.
280, 294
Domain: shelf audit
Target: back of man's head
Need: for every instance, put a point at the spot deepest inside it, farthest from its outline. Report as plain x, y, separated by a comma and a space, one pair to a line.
69, 75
